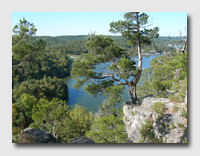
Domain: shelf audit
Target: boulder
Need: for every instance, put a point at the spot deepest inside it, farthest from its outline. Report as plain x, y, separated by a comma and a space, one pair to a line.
30, 135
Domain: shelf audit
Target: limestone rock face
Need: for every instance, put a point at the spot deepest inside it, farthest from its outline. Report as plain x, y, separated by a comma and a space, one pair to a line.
30, 135
81, 140
170, 127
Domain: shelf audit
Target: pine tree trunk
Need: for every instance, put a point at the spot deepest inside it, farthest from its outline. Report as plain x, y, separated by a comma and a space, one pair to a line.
133, 95
132, 84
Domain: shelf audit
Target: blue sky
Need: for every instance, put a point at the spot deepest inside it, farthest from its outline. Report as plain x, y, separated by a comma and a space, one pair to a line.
82, 23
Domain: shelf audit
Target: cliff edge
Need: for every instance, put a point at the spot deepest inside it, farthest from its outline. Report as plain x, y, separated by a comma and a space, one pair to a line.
156, 120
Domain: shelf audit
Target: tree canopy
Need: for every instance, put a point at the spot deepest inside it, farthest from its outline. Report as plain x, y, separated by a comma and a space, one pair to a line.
21, 48
45, 88
47, 115
121, 69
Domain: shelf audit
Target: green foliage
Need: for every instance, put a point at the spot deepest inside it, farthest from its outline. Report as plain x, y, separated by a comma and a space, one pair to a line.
49, 64
147, 135
52, 114
76, 124
158, 108
184, 113
144, 86
168, 72
30, 60
108, 129
184, 139
75, 45
103, 49
45, 88
128, 28
22, 112
172, 126
133, 29
180, 125
21, 48
47, 115
181, 87
115, 95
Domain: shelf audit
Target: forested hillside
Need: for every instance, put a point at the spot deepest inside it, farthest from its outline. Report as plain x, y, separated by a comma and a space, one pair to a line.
40, 62
75, 45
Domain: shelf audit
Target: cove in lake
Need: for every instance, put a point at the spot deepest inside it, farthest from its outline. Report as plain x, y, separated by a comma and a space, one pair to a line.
91, 103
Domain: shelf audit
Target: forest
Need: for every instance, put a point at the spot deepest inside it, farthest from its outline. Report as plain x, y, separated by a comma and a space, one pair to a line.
39, 64
75, 45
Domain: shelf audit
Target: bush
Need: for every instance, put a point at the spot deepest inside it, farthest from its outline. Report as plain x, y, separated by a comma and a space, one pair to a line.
184, 113
172, 126
147, 135
180, 125
108, 129
158, 107
77, 124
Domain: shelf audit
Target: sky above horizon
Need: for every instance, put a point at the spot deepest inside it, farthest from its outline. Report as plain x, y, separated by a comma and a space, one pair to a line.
83, 23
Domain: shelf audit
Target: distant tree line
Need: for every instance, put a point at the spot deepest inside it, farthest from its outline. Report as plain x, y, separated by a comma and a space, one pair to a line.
75, 45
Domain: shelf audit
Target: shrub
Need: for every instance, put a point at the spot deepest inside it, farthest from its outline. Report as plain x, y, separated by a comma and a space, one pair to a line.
159, 107
147, 135
180, 125
184, 113
172, 126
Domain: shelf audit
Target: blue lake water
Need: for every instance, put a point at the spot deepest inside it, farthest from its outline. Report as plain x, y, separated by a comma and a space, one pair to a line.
91, 103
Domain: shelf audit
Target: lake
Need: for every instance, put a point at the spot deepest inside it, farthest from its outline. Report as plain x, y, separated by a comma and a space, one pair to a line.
91, 103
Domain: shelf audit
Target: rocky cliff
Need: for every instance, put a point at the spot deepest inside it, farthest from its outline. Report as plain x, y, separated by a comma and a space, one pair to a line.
169, 125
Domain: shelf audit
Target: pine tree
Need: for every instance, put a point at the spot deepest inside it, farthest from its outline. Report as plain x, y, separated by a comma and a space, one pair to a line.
22, 46
121, 69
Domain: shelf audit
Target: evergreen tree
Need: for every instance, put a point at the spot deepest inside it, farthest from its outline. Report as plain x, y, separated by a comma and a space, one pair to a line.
75, 124
46, 88
104, 50
133, 29
48, 115
166, 75
22, 49
22, 112
108, 126
115, 95
108, 129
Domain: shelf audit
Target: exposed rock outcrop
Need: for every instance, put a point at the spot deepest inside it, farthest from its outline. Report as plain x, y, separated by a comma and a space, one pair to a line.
171, 127
30, 135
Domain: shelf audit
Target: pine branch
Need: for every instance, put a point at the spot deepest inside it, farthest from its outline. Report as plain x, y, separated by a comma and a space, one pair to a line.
21, 62
119, 68
184, 45
160, 61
